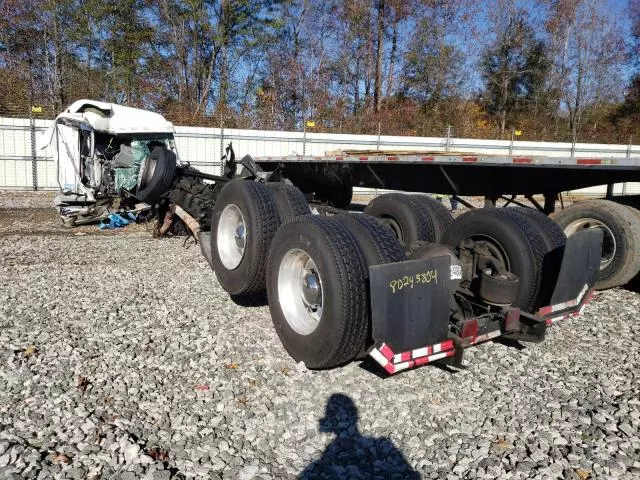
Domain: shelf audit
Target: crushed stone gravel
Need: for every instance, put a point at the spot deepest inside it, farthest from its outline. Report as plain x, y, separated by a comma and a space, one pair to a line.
122, 357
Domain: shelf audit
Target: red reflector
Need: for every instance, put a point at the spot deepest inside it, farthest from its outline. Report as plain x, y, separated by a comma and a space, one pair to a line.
427, 159
339, 158
589, 161
469, 159
469, 329
446, 345
521, 160
363, 158
391, 159
545, 310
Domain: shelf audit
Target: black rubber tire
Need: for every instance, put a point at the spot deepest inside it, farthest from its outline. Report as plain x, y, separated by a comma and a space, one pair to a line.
342, 330
376, 240
554, 240
162, 177
521, 243
553, 234
290, 201
440, 215
258, 207
412, 219
378, 246
624, 226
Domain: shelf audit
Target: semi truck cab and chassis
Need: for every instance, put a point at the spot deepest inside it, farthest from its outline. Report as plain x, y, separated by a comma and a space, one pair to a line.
401, 281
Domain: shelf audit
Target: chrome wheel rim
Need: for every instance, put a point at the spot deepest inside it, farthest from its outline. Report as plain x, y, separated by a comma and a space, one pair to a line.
300, 291
608, 240
231, 237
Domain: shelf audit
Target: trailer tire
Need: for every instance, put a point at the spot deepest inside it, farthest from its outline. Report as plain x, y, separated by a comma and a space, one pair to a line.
514, 237
290, 201
317, 291
621, 243
407, 217
156, 174
244, 215
440, 215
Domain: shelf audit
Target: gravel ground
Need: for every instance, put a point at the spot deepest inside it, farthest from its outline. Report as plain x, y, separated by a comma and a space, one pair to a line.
122, 357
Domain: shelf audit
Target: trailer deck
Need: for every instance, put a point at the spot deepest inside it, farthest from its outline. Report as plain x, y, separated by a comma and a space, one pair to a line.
459, 173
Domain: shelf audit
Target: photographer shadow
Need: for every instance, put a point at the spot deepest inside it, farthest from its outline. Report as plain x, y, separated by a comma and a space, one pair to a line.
352, 455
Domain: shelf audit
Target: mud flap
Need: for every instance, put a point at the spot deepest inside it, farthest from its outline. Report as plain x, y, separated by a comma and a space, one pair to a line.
580, 265
410, 302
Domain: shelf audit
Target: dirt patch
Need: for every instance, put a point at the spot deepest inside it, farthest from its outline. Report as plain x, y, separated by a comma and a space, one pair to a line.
45, 221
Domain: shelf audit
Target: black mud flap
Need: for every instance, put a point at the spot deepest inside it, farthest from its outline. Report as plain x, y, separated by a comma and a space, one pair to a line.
577, 275
410, 302
580, 265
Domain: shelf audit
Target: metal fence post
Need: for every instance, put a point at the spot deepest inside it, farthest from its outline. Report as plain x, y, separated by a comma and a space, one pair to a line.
513, 134
221, 143
34, 164
304, 138
448, 139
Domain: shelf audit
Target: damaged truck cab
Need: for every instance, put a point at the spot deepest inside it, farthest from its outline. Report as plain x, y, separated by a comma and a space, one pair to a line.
107, 152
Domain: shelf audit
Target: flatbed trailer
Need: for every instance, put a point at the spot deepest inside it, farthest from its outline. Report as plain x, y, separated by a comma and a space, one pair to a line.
464, 174
402, 281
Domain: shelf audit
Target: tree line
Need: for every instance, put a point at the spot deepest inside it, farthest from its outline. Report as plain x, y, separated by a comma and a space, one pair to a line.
550, 70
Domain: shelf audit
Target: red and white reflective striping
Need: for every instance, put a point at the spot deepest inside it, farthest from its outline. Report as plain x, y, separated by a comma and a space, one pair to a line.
552, 320
565, 305
485, 337
395, 362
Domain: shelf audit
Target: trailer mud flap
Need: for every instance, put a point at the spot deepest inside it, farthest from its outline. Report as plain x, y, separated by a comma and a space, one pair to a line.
410, 311
578, 272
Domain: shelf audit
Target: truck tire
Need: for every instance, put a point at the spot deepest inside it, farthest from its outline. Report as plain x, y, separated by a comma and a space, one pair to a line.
554, 240
440, 215
513, 239
244, 220
407, 217
378, 246
290, 201
552, 232
376, 240
621, 242
156, 174
317, 291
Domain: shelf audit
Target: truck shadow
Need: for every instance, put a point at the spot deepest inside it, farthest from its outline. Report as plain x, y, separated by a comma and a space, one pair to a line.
352, 455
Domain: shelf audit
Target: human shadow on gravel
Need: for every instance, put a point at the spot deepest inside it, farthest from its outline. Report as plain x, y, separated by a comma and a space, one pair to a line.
351, 455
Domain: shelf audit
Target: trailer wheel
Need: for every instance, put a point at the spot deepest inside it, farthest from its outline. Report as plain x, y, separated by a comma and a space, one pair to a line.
290, 201
620, 260
316, 285
156, 174
440, 215
407, 217
512, 240
244, 220
554, 239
